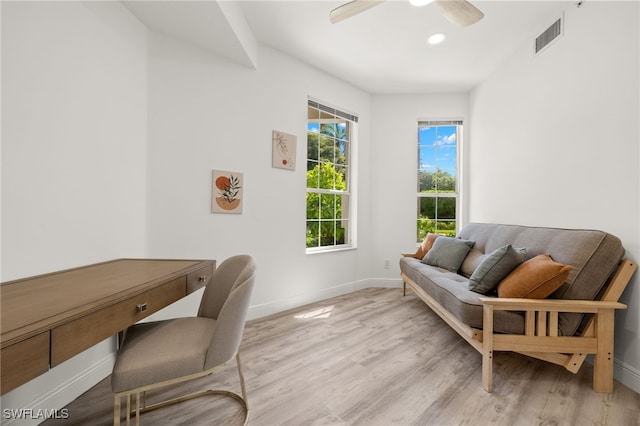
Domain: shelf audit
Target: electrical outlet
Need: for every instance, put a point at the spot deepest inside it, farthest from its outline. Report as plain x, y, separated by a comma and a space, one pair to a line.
387, 264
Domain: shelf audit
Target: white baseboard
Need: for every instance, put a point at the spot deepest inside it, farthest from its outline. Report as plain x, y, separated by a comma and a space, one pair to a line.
380, 283
627, 375
278, 306
51, 403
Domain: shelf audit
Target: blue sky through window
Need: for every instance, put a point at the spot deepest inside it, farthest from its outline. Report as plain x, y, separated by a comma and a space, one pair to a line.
437, 149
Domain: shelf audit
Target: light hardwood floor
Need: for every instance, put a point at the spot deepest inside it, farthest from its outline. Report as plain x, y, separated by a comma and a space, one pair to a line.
373, 357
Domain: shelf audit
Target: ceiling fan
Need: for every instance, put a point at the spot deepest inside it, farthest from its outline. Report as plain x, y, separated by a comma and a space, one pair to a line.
460, 12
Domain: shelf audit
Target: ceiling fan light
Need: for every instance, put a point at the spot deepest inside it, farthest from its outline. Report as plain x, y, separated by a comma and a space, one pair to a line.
437, 38
420, 3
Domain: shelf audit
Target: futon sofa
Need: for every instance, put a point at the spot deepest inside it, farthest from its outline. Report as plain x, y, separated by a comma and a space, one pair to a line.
545, 292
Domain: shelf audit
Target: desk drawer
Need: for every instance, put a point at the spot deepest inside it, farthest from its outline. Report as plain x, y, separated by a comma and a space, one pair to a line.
76, 336
199, 278
24, 361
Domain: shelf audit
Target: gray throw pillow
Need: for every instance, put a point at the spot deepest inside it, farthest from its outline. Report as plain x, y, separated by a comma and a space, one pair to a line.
495, 267
448, 253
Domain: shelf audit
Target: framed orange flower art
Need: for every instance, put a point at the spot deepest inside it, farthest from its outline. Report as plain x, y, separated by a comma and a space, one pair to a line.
226, 194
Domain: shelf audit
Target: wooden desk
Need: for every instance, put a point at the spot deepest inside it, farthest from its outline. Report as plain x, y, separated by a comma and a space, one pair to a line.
47, 319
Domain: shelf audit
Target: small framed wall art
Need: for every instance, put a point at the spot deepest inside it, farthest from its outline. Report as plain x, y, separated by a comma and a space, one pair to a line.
283, 150
227, 192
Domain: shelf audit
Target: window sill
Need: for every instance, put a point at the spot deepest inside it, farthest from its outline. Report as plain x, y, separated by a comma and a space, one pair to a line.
333, 249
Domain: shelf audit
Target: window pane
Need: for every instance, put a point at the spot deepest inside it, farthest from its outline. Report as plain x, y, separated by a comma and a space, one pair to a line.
313, 233
425, 226
427, 135
446, 227
447, 159
327, 206
327, 233
446, 208
327, 176
427, 207
427, 157
328, 126
426, 182
341, 232
313, 174
432, 178
313, 145
326, 149
341, 178
340, 152
342, 207
343, 131
313, 205
437, 208
446, 135
443, 181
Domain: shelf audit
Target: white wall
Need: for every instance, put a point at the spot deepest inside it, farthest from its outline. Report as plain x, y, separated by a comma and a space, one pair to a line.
73, 135
555, 142
207, 113
73, 153
395, 162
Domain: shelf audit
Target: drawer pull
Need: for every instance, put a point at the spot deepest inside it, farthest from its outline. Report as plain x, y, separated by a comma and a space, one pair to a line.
141, 307
203, 278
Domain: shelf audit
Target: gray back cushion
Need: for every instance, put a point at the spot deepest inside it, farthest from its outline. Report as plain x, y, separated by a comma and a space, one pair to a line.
594, 256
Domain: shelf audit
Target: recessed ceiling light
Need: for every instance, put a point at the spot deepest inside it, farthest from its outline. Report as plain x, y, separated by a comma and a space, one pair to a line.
420, 3
437, 38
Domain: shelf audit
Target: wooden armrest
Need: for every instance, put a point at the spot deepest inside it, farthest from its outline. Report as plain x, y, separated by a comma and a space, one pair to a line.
407, 254
550, 305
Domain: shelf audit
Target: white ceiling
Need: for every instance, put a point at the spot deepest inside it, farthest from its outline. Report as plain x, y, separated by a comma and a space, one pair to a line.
382, 50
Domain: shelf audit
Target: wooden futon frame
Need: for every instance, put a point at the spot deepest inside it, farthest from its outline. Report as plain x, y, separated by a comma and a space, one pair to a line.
541, 339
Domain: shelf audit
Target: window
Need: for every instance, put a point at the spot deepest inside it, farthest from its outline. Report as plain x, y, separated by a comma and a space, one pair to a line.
330, 138
438, 198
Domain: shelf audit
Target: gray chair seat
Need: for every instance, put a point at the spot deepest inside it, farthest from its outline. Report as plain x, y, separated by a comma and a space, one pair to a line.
163, 350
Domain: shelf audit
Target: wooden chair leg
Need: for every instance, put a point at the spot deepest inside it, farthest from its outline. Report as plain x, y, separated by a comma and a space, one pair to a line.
138, 408
129, 410
116, 410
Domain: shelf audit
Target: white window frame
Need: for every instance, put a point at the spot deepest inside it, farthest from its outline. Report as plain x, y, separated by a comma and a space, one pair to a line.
459, 123
348, 195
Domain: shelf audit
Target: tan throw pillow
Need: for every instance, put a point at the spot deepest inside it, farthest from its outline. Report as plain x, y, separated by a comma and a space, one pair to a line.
536, 278
426, 245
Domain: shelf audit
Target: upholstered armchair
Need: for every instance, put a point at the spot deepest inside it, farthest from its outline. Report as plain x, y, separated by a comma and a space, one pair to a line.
162, 353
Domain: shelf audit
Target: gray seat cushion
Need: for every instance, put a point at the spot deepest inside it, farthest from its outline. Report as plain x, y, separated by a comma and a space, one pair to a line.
452, 292
157, 351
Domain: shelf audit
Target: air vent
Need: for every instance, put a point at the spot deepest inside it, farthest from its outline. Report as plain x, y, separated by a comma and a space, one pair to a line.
548, 36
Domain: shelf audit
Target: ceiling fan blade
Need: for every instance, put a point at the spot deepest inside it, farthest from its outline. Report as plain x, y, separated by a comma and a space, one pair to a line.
460, 12
350, 9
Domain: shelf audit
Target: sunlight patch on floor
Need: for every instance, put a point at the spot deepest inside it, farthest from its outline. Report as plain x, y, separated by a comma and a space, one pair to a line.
316, 313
